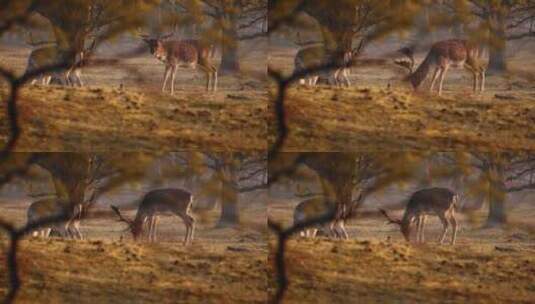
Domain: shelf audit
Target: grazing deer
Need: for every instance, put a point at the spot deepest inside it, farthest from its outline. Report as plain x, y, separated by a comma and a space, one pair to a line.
451, 53
316, 56
49, 207
183, 53
176, 201
316, 207
432, 201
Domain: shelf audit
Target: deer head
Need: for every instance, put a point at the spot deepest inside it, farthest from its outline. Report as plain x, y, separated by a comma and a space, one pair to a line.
404, 226
156, 46
408, 62
133, 226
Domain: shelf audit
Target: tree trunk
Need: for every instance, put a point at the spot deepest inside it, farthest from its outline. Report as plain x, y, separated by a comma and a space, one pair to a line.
69, 173
497, 198
497, 60
230, 215
336, 172
497, 52
230, 59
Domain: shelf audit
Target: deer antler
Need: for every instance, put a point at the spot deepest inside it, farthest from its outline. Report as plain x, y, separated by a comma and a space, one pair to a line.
390, 220
121, 217
409, 53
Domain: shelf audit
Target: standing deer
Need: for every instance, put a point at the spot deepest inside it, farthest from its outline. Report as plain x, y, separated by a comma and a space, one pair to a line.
183, 53
451, 53
432, 201
316, 56
156, 202
49, 207
316, 207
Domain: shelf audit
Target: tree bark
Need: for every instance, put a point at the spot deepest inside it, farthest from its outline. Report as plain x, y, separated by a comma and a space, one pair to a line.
69, 174
230, 215
230, 58
336, 172
497, 198
497, 52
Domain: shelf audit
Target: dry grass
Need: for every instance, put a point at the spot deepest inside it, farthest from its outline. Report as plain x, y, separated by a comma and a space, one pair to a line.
102, 119
377, 266
117, 272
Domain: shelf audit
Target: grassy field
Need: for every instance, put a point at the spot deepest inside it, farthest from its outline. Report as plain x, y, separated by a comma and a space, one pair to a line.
377, 266
223, 265
380, 112
122, 107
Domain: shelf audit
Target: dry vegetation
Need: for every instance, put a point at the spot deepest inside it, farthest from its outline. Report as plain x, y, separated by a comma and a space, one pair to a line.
380, 112
223, 265
377, 266
123, 109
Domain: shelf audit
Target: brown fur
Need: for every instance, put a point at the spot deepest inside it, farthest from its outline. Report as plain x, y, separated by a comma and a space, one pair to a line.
450, 53
184, 53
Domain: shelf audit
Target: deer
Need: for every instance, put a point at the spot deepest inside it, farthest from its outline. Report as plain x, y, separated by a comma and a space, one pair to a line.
431, 201
316, 56
49, 207
53, 55
451, 53
316, 207
183, 53
156, 202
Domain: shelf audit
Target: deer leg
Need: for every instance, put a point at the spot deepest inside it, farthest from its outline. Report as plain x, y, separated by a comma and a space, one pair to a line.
78, 75
165, 76
337, 81
77, 229
445, 224
173, 74
454, 226
68, 78
315, 80
343, 230
441, 81
422, 238
475, 75
418, 223
482, 84
189, 222
47, 79
155, 228
435, 77
215, 79
152, 231
346, 76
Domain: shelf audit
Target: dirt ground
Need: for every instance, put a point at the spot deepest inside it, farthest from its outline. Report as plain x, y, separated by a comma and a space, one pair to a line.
122, 107
380, 111
377, 266
223, 265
